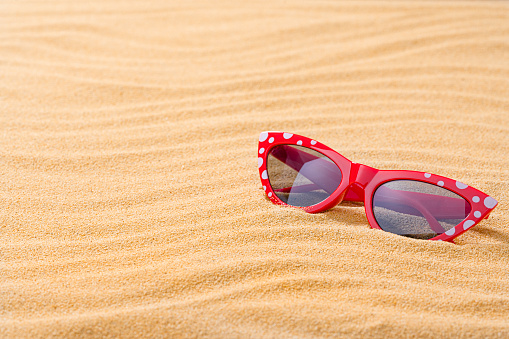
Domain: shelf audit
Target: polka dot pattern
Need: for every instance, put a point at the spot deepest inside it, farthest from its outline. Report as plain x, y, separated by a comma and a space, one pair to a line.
264, 175
468, 224
451, 231
440, 183
261, 150
489, 202
299, 142
476, 199
477, 214
427, 175
287, 135
270, 194
461, 185
313, 142
263, 136
260, 162
271, 140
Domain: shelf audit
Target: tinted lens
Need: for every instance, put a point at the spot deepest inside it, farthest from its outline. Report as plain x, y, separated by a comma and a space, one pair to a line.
300, 176
417, 209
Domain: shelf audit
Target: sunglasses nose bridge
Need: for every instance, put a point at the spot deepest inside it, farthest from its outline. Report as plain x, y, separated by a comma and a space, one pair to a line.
361, 175
354, 192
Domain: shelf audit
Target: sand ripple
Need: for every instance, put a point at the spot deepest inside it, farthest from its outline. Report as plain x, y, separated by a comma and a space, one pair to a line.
130, 203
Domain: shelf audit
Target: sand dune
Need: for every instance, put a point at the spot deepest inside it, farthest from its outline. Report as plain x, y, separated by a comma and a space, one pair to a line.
130, 202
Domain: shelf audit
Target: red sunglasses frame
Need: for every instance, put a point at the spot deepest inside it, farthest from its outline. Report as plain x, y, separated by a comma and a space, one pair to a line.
362, 182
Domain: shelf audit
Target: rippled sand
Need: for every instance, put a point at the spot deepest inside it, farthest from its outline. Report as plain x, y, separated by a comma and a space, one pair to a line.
130, 203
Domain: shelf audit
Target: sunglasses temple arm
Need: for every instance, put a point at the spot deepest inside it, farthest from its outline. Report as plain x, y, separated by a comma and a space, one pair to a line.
439, 206
400, 202
319, 171
428, 205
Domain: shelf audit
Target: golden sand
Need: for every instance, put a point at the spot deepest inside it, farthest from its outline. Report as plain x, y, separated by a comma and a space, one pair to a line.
130, 202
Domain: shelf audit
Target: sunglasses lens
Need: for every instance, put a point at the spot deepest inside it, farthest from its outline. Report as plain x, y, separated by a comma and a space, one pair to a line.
300, 176
417, 209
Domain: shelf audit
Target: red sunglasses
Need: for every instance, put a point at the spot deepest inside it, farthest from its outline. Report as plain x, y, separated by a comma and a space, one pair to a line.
301, 172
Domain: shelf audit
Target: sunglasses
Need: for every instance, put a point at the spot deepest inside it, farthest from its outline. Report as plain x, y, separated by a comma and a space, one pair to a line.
301, 172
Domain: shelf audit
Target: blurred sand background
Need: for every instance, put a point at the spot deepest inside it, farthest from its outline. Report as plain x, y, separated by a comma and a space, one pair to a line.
130, 202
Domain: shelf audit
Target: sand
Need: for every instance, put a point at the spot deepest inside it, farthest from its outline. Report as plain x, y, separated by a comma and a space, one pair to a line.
130, 202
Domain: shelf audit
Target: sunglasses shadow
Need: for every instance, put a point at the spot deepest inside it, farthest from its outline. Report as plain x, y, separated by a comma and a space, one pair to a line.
491, 233
352, 213
347, 212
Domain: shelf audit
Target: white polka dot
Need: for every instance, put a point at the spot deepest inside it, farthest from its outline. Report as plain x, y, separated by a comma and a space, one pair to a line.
313, 142
490, 202
461, 185
476, 199
287, 135
270, 194
264, 188
263, 136
451, 231
261, 150
271, 140
260, 162
427, 175
439, 240
477, 214
468, 223
264, 174
440, 183
299, 142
